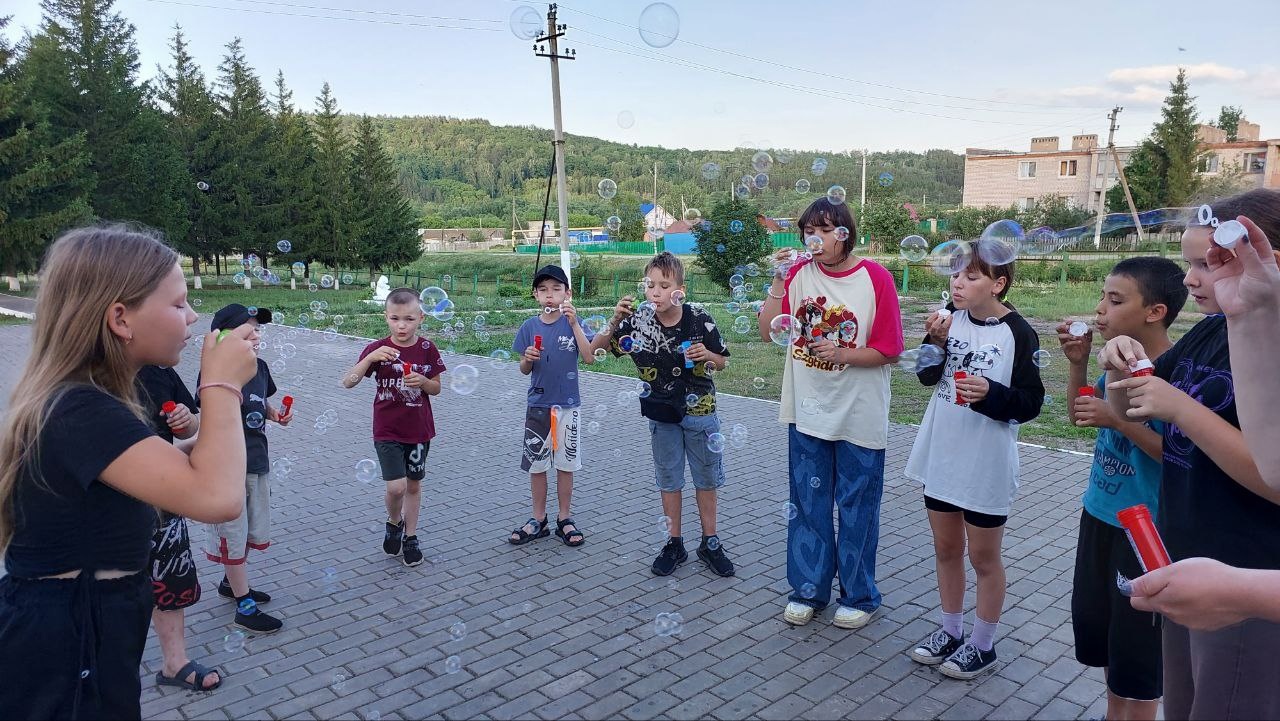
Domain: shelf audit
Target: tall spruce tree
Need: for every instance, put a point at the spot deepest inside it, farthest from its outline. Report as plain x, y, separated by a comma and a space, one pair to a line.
44, 183
1162, 171
332, 181
383, 227
84, 66
293, 161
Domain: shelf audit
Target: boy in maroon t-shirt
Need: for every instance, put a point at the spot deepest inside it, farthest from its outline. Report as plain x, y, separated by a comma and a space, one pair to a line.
407, 369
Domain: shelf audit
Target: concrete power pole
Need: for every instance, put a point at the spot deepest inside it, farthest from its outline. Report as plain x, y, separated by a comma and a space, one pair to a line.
1124, 183
552, 51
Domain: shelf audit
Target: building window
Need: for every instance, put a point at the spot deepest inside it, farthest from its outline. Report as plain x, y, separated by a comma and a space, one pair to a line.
1255, 162
1025, 204
1209, 163
1027, 169
1067, 169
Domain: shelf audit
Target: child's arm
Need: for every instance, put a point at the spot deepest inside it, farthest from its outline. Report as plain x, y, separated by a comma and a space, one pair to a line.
1023, 398
620, 312
357, 372
431, 386
585, 349
1116, 358
182, 422
1223, 443
699, 353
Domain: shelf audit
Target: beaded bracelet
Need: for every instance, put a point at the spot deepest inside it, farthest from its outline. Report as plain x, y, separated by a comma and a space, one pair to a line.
228, 386
769, 290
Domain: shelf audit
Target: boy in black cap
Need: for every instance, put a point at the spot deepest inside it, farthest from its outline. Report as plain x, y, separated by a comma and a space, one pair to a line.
229, 543
549, 346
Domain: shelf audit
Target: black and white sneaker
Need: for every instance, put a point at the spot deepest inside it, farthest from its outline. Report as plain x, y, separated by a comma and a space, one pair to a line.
673, 554
412, 554
969, 662
393, 538
935, 649
712, 553
250, 617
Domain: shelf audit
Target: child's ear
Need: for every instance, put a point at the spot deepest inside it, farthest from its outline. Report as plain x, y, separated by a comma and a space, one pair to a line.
1156, 312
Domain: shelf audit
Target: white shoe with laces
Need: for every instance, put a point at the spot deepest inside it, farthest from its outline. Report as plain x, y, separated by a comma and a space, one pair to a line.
797, 614
851, 618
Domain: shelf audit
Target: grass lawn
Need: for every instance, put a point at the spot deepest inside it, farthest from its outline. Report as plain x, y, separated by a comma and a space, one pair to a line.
755, 367
13, 320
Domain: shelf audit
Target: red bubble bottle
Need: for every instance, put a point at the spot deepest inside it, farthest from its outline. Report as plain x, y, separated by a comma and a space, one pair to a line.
1144, 537
537, 342
960, 375
1086, 391
287, 402
168, 407
1142, 367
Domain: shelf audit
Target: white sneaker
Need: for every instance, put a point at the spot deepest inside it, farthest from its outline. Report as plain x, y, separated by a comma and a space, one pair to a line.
797, 614
851, 618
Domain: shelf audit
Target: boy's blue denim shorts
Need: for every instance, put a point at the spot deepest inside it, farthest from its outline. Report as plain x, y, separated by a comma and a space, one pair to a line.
674, 443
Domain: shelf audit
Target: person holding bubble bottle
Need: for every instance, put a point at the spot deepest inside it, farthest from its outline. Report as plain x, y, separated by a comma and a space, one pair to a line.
837, 316
550, 345
82, 471
966, 451
1214, 503
229, 543
1141, 298
406, 369
681, 404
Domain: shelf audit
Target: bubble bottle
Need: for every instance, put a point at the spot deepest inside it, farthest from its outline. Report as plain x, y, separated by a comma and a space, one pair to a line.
168, 407
1086, 391
1144, 537
684, 349
287, 402
960, 375
1141, 367
537, 342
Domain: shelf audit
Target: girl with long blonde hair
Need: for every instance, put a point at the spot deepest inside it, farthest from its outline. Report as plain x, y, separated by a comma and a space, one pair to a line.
81, 469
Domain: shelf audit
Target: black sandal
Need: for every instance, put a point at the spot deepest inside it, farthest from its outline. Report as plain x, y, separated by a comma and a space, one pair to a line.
199, 673
519, 537
572, 538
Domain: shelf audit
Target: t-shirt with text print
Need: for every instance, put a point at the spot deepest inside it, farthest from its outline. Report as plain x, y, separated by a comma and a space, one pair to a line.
554, 379
661, 363
403, 414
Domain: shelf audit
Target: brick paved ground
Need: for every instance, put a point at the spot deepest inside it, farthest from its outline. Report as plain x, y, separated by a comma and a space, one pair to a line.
554, 632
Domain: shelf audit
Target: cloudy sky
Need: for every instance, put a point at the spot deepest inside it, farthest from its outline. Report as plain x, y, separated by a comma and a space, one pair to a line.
805, 74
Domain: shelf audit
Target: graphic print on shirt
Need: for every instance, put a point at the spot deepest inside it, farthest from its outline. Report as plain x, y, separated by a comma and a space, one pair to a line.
961, 356
1210, 387
391, 383
837, 324
567, 342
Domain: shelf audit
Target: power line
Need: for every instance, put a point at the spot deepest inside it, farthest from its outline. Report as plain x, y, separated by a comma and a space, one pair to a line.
368, 12
325, 17
823, 73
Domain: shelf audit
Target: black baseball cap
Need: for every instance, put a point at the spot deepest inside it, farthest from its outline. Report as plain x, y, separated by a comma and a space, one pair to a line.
554, 272
236, 315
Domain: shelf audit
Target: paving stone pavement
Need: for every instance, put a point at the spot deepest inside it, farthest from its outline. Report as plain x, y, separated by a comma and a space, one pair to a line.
555, 632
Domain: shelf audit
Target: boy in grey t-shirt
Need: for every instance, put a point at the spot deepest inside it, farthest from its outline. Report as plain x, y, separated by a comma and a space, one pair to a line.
549, 346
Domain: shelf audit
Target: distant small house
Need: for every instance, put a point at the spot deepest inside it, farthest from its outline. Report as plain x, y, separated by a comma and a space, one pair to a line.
769, 224
656, 217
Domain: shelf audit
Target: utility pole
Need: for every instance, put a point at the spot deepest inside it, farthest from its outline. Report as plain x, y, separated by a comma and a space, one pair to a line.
656, 217
862, 205
1124, 183
552, 51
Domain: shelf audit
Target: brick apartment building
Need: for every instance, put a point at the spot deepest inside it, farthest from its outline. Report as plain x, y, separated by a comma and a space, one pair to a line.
1084, 173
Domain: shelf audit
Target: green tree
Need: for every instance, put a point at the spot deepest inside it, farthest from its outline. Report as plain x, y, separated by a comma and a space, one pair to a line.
1147, 183
44, 183
189, 120
83, 67
383, 232
1056, 212
1229, 118
333, 190
731, 236
887, 221
1162, 171
293, 166
632, 229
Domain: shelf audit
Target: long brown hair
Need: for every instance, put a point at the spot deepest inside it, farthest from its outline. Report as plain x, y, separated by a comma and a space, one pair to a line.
86, 270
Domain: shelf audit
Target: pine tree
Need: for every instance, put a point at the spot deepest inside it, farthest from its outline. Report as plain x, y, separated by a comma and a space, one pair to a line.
1176, 135
333, 190
383, 231
44, 183
83, 68
293, 160
189, 121
242, 189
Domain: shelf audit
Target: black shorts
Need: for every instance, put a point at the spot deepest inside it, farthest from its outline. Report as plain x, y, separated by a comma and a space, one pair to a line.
402, 460
973, 518
174, 584
1108, 631
43, 664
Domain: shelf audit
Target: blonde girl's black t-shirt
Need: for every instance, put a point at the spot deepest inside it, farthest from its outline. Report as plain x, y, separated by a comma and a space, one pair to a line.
65, 517
1203, 511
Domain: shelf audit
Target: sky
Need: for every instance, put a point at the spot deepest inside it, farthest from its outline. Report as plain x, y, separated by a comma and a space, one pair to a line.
803, 75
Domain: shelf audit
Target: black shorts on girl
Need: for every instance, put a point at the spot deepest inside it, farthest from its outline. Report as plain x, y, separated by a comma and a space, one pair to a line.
402, 460
174, 584
973, 518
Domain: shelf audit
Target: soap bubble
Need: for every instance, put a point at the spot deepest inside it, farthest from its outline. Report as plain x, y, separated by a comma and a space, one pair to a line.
253, 420
326, 281
789, 511
909, 360
808, 590
736, 280
526, 23
914, 248
284, 246
614, 223
1041, 358
233, 642
1000, 242
458, 631
366, 470
715, 442
930, 355
607, 188
1078, 329
815, 482
885, 179
836, 194
238, 278
1041, 241
950, 257
762, 162
761, 181
668, 624
784, 330
453, 664
742, 324
819, 166
464, 379
693, 216
339, 683
802, 186
659, 25
575, 259
735, 226
710, 171
626, 119
742, 191
758, 383
813, 243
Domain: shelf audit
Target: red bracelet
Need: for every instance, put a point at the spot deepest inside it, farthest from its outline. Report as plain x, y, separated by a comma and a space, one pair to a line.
228, 386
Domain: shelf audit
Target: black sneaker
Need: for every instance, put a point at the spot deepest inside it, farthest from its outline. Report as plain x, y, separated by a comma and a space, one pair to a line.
935, 649
673, 554
259, 597
712, 554
969, 662
412, 555
249, 616
392, 539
